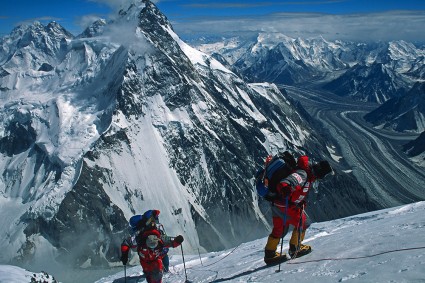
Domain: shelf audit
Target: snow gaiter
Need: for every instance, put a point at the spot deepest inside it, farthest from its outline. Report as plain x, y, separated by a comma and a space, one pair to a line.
293, 242
271, 246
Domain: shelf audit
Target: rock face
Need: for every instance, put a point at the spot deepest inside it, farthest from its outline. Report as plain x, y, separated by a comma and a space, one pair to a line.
374, 83
93, 131
416, 149
403, 114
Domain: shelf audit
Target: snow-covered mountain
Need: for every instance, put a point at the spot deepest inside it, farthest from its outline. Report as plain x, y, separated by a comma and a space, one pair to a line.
373, 83
14, 274
381, 246
127, 117
402, 114
370, 72
280, 59
373, 72
95, 29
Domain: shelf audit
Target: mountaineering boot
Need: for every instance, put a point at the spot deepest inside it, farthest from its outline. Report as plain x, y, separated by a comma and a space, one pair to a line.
270, 255
294, 249
303, 250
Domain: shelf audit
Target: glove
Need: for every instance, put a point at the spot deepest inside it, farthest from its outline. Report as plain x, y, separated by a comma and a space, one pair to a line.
284, 190
124, 253
179, 239
124, 258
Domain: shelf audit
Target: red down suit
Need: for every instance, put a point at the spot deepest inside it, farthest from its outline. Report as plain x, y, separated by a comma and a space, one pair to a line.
299, 182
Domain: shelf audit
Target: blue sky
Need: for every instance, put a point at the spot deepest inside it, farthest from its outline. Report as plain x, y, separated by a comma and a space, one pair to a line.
332, 19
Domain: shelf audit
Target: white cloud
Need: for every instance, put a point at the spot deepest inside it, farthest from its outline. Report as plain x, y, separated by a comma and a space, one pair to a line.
119, 4
115, 4
391, 25
87, 20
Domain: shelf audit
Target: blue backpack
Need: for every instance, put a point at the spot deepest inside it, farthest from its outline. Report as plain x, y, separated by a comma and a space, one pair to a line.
142, 222
278, 168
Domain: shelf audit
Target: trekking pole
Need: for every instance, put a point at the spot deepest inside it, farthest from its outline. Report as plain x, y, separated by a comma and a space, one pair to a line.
199, 253
300, 224
184, 264
284, 225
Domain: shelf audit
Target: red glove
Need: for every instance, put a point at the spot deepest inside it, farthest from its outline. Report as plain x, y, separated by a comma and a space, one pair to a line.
124, 254
284, 189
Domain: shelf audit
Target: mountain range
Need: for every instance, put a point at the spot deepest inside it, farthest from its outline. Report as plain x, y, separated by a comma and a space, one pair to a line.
377, 72
127, 117
374, 72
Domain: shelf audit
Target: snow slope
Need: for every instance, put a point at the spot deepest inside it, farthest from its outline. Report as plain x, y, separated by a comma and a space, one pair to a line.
382, 246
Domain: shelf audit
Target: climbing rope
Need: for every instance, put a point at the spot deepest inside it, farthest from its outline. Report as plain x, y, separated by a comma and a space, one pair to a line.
234, 249
357, 257
316, 260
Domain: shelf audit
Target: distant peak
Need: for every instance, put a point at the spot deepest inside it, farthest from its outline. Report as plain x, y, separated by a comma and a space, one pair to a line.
37, 28
132, 10
95, 29
57, 29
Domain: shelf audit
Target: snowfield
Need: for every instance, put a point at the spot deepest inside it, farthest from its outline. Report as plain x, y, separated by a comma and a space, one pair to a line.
381, 246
